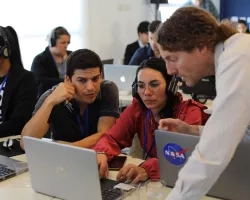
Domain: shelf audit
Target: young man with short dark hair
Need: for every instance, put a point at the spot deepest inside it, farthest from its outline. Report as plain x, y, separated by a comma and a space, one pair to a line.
148, 51
142, 31
81, 108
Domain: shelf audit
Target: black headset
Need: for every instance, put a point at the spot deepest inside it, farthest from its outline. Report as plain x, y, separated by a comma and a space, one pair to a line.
173, 85
55, 34
5, 49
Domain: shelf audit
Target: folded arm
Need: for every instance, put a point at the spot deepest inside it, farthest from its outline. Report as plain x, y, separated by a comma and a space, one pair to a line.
104, 124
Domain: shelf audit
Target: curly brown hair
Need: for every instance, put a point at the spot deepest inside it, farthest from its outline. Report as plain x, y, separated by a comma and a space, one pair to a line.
192, 27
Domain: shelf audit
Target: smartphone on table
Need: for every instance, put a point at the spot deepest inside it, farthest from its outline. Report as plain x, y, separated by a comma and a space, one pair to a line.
117, 163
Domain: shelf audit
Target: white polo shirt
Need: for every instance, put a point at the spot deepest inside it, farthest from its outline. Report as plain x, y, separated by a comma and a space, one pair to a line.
228, 124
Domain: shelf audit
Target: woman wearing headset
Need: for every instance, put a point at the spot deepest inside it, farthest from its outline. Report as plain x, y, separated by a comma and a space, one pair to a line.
49, 66
17, 86
153, 100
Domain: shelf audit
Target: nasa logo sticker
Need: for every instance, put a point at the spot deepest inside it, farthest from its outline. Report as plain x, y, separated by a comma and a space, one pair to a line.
175, 154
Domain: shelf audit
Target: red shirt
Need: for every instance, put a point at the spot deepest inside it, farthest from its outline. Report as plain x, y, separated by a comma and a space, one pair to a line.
133, 120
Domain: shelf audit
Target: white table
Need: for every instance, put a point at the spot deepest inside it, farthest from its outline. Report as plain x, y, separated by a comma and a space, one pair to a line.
19, 187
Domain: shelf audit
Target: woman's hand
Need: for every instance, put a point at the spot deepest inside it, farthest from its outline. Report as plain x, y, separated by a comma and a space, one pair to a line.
132, 172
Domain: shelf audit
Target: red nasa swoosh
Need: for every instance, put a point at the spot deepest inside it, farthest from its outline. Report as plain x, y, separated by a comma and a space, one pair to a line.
180, 152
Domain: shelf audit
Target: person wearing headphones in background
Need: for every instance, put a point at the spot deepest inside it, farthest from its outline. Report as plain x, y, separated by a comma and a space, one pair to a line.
17, 86
79, 110
155, 97
49, 66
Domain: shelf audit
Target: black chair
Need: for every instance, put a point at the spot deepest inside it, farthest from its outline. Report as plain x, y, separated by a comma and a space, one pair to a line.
202, 91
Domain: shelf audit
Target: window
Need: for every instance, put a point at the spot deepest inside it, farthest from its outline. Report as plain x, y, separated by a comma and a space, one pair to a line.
167, 10
33, 21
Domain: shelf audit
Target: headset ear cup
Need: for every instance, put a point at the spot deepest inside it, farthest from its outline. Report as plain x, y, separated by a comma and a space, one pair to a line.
53, 43
173, 85
5, 49
134, 90
5, 52
52, 38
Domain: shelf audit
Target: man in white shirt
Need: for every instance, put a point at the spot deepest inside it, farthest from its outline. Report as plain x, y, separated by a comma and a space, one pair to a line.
193, 45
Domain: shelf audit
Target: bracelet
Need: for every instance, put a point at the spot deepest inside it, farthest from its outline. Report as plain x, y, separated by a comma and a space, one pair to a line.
101, 152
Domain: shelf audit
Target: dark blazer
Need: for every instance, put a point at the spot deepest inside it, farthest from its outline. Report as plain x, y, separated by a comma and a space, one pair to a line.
18, 100
45, 70
130, 50
141, 54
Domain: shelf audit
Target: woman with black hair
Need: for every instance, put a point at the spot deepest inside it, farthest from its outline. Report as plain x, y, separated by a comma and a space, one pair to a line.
17, 86
153, 100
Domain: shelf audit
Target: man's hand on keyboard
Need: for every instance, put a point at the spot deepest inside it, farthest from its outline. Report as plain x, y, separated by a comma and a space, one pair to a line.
132, 172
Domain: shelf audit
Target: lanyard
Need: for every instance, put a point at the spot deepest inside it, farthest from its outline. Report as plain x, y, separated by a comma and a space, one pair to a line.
86, 122
63, 69
145, 153
63, 65
3, 83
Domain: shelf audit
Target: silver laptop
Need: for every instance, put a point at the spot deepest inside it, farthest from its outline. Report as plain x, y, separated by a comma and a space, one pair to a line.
173, 151
122, 75
10, 167
64, 171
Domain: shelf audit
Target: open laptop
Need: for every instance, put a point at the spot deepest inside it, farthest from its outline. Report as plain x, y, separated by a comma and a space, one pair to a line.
66, 172
122, 75
234, 182
10, 167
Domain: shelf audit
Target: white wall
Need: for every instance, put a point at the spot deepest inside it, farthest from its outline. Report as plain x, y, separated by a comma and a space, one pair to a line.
217, 4
33, 21
105, 26
112, 24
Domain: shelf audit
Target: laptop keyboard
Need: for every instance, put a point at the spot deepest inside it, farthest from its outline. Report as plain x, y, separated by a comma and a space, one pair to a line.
5, 172
108, 190
111, 194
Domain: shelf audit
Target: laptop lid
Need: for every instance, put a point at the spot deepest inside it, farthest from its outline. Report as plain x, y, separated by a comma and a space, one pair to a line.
173, 151
62, 171
122, 75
